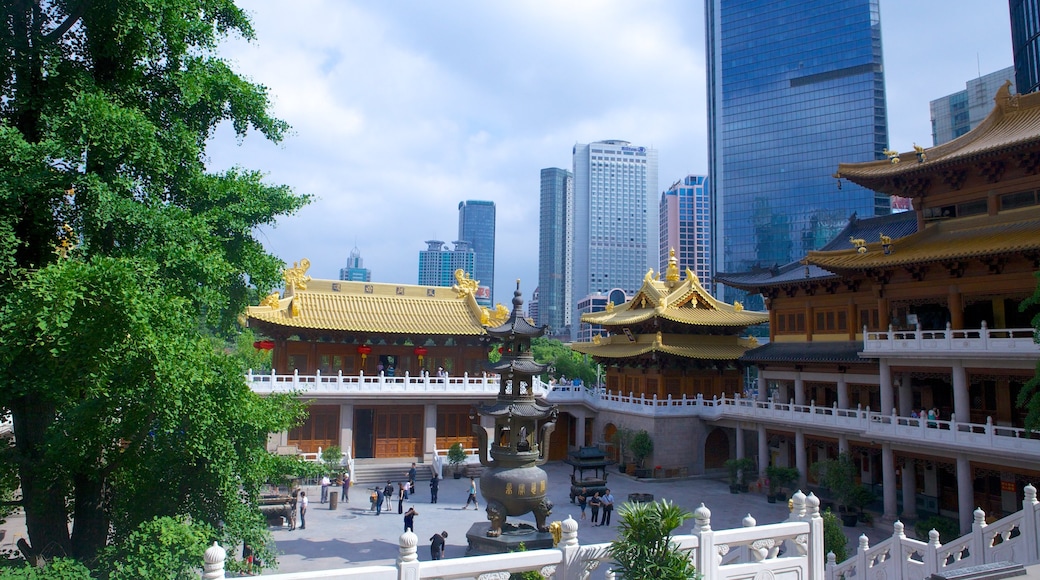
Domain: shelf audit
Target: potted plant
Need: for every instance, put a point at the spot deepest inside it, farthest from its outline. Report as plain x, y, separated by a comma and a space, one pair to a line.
622, 439
839, 477
779, 478
644, 548
642, 446
739, 472
456, 457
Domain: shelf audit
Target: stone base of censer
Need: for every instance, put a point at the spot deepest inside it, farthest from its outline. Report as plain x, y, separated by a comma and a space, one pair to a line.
512, 536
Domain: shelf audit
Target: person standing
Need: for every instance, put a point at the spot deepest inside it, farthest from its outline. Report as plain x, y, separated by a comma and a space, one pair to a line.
434, 486
346, 486
472, 495
409, 519
437, 545
292, 509
303, 510
608, 507
583, 501
325, 488
379, 500
411, 478
594, 504
402, 494
388, 494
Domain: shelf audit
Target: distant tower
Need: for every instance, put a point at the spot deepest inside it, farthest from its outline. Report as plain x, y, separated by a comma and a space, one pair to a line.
355, 270
477, 226
1025, 43
686, 226
614, 239
960, 112
554, 298
437, 264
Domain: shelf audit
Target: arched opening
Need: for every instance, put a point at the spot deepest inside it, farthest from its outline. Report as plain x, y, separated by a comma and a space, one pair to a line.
716, 449
608, 435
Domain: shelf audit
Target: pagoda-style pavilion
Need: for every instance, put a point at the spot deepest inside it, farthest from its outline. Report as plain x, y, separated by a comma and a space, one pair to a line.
673, 339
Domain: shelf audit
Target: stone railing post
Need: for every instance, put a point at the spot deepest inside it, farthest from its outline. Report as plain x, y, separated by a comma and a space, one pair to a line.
214, 566
978, 539
1030, 534
832, 562
408, 560
931, 555
706, 559
861, 555
746, 554
817, 570
570, 566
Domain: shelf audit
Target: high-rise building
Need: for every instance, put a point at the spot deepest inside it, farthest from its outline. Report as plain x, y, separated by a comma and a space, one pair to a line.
686, 226
794, 89
960, 112
437, 264
477, 226
554, 297
1025, 43
614, 238
355, 270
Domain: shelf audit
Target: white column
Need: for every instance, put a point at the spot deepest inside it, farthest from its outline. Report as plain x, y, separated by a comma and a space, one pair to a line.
843, 392
843, 443
965, 493
909, 488
782, 392
800, 460
799, 389
763, 387
961, 405
429, 431
740, 442
906, 395
886, 387
346, 428
888, 482
763, 451
579, 430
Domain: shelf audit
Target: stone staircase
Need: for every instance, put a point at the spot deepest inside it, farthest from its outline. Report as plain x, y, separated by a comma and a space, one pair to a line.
368, 472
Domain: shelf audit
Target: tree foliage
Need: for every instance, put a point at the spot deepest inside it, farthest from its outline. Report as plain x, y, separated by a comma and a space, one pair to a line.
565, 362
117, 246
834, 539
644, 549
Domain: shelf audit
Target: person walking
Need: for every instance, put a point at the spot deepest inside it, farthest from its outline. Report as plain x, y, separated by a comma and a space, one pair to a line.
472, 495
409, 519
346, 486
583, 502
402, 494
594, 504
388, 494
325, 488
608, 507
437, 545
303, 510
379, 500
434, 486
411, 478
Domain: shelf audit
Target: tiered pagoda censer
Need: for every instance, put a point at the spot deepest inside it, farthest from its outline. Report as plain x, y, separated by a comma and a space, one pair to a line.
514, 484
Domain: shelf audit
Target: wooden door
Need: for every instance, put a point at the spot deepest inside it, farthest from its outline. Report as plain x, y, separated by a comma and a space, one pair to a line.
399, 431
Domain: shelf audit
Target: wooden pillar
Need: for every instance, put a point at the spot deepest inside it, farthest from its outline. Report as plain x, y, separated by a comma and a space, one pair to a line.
883, 314
956, 308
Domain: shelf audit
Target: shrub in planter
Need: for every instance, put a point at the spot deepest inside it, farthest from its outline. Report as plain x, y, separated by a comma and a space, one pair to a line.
948, 528
780, 478
834, 539
642, 446
740, 470
456, 457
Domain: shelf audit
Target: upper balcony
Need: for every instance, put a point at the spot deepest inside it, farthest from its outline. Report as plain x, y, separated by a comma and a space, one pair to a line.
339, 385
1014, 343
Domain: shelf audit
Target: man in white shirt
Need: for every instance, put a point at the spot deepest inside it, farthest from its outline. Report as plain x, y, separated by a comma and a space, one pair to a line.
325, 482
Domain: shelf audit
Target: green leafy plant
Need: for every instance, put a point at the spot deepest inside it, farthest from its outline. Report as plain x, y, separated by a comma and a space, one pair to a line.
529, 574
740, 470
331, 457
839, 477
780, 477
456, 456
164, 548
56, 569
948, 528
834, 539
644, 549
622, 440
642, 446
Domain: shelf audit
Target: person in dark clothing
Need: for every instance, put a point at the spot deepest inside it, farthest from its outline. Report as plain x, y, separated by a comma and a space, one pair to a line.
388, 493
409, 519
595, 502
411, 478
346, 486
437, 545
379, 501
435, 484
402, 493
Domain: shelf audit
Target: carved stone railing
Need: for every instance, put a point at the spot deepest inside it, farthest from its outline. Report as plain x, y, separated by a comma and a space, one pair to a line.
339, 384
984, 341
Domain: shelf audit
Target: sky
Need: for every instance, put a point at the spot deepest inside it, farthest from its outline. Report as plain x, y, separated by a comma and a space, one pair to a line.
402, 109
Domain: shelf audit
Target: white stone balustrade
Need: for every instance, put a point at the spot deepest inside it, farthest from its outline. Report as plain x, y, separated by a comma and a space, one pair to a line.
976, 342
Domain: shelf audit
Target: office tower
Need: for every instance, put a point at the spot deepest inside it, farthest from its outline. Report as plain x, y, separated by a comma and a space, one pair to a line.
355, 270
1025, 43
960, 112
437, 264
477, 226
554, 297
614, 240
794, 89
686, 226
533, 306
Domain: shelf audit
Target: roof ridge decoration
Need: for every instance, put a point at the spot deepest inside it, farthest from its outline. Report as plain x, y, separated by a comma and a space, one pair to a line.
465, 285
296, 278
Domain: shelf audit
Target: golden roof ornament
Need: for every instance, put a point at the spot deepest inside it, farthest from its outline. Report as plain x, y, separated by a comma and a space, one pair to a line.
737, 306
893, 156
610, 306
596, 339
271, 301
496, 318
672, 272
465, 285
296, 278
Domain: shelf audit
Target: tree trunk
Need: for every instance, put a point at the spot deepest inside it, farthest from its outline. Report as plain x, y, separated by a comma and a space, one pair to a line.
91, 522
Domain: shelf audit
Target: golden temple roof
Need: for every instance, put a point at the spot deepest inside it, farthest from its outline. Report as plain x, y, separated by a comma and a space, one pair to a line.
692, 346
971, 237
1012, 126
373, 307
684, 302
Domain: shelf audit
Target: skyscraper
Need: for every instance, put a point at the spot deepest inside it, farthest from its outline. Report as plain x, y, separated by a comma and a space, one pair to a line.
355, 270
437, 264
960, 112
554, 297
794, 88
614, 240
1025, 43
477, 226
686, 226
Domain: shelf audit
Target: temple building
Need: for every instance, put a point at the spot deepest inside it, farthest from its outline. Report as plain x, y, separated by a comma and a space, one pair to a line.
366, 350
914, 320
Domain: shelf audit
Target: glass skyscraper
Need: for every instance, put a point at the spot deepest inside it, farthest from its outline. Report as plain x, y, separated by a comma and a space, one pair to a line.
437, 264
554, 298
477, 226
794, 88
614, 239
686, 226
957, 113
1025, 43
355, 270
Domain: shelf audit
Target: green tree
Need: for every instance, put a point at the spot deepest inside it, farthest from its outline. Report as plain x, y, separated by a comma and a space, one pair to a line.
116, 247
1029, 396
565, 361
834, 539
644, 549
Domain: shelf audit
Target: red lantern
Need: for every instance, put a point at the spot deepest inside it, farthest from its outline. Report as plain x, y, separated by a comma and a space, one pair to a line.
263, 345
364, 350
420, 351
501, 350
